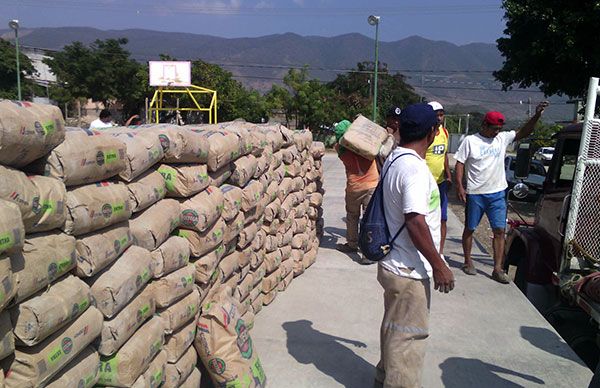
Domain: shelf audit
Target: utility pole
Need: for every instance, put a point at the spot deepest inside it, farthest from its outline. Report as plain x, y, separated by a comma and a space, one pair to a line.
528, 107
14, 24
374, 21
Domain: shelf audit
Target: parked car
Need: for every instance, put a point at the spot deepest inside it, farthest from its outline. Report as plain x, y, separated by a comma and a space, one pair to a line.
535, 181
544, 155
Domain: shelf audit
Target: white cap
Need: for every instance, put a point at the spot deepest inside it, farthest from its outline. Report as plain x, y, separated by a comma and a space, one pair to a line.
436, 105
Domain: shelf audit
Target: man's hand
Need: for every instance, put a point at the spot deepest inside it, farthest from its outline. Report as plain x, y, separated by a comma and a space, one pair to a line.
462, 195
443, 279
539, 109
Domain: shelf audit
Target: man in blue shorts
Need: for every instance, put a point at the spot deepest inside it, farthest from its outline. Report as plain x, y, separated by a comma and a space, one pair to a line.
482, 156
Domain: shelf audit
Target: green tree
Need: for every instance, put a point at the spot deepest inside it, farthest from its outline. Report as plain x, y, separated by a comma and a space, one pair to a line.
8, 72
551, 44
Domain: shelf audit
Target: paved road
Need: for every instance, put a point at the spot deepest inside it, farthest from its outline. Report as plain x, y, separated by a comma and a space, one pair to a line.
323, 331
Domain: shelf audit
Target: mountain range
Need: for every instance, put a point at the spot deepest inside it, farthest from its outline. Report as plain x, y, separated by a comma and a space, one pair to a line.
459, 76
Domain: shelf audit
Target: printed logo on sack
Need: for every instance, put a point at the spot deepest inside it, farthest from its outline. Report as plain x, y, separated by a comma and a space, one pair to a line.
39, 129
66, 345
165, 143
100, 158
189, 217
36, 208
244, 342
217, 366
107, 210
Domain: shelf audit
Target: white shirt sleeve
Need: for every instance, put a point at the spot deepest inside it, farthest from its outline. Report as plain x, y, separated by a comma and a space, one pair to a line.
414, 189
462, 154
507, 137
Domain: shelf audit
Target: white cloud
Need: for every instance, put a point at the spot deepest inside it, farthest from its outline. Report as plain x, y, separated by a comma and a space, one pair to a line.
299, 2
208, 6
263, 4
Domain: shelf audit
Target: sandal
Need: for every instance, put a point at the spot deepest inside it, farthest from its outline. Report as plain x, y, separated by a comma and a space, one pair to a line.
469, 269
500, 277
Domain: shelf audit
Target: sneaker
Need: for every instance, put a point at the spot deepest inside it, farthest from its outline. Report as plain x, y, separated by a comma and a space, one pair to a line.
346, 248
500, 277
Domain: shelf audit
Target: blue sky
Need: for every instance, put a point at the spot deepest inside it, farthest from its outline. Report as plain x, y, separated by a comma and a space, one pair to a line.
456, 21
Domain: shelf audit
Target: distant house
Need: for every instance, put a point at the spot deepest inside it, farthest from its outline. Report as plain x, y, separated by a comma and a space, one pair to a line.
42, 76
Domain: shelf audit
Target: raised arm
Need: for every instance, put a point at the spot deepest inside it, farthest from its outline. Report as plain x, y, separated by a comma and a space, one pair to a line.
527, 129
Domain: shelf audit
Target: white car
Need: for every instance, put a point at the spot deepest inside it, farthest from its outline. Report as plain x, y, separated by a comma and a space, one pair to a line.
544, 154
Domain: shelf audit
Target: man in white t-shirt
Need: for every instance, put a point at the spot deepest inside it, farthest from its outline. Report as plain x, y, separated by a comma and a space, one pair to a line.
482, 155
103, 121
411, 199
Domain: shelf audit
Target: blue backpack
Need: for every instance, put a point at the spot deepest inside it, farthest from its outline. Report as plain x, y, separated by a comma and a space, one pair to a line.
374, 239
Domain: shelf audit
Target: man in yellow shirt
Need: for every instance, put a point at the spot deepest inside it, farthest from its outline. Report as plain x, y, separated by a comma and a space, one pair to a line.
437, 161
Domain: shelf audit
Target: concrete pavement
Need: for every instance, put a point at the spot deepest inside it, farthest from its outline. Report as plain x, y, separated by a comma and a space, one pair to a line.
323, 331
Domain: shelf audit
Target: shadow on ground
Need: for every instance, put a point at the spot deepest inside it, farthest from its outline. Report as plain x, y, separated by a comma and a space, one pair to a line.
460, 372
331, 235
548, 341
327, 353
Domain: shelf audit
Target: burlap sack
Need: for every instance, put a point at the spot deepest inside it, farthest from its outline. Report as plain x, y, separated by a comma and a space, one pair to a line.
364, 137
271, 228
40, 316
262, 166
12, 232
289, 154
202, 210
96, 206
85, 157
223, 147
173, 286
7, 281
269, 297
273, 135
184, 180
114, 287
257, 258
153, 227
175, 374
247, 235
146, 190
34, 366
192, 149
28, 131
154, 375
7, 341
170, 256
52, 212
271, 280
143, 151
194, 380
244, 169
253, 192
201, 243
124, 367
229, 264
225, 347
206, 265
82, 372
18, 189
98, 249
218, 178
180, 341
257, 304
181, 312
245, 286
44, 258
232, 201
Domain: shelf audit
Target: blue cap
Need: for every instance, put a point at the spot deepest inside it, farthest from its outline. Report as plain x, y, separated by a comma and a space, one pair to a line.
417, 117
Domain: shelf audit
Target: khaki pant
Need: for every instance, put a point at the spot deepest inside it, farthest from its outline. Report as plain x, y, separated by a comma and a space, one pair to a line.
404, 330
354, 201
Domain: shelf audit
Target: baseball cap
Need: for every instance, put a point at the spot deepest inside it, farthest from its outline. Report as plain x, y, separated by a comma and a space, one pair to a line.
494, 118
436, 105
394, 111
418, 117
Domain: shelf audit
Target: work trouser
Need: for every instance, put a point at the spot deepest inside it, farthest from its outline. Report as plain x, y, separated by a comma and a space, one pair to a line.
355, 201
404, 330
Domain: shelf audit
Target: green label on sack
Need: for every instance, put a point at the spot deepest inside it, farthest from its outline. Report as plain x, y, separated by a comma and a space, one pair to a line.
55, 355
143, 311
156, 378
145, 275
183, 233
48, 207
108, 371
187, 280
6, 241
258, 371
110, 156
64, 265
118, 208
84, 304
88, 381
49, 127
170, 177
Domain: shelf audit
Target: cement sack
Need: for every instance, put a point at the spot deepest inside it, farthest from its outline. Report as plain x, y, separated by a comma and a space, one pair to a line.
218, 178
244, 271
287, 207
146, 190
300, 242
289, 154
194, 380
285, 282
288, 136
82, 372
180, 341
293, 170
316, 200
314, 213
286, 238
175, 374
297, 184
15, 187
247, 235
28, 131
231, 247
40, 316
364, 137
232, 203
170, 256
154, 226
249, 317
244, 169
286, 252
171, 139
229, 264
272, 210
226, 348
206, 265
7, 281
257, 258
184, 180
44, 259
244, 258
84, 157
52, 212
201, 243
240, 128
116, 331
277, 161
173, 286
12, 232
317, 150
154, 375
266, 180
124, 367
287, 267
231, 283
259, 275
96, 206
271, 280
257, 304
97, 250
223, 148
254, 292
36, 365
181, 312
114, 287
301, 209
271, 228
242, 306
7, 341
262, 166
286, 224
193, 149
310, 257
303, 139
300, 225
299, 268
202, 210
253, 192
285, 188
245, 286
259, 240
279, 173
143, 151
273, 134
269, 297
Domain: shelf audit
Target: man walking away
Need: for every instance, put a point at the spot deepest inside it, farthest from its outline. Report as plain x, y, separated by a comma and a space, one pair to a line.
482, 155
437, 161
361, 179
392, 123
411, 199
103, 121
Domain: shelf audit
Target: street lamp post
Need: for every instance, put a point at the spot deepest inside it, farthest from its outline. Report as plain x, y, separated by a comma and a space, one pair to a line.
14, 24
374, 21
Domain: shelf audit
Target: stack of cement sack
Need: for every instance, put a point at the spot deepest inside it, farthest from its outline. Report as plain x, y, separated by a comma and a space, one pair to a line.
119, 247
